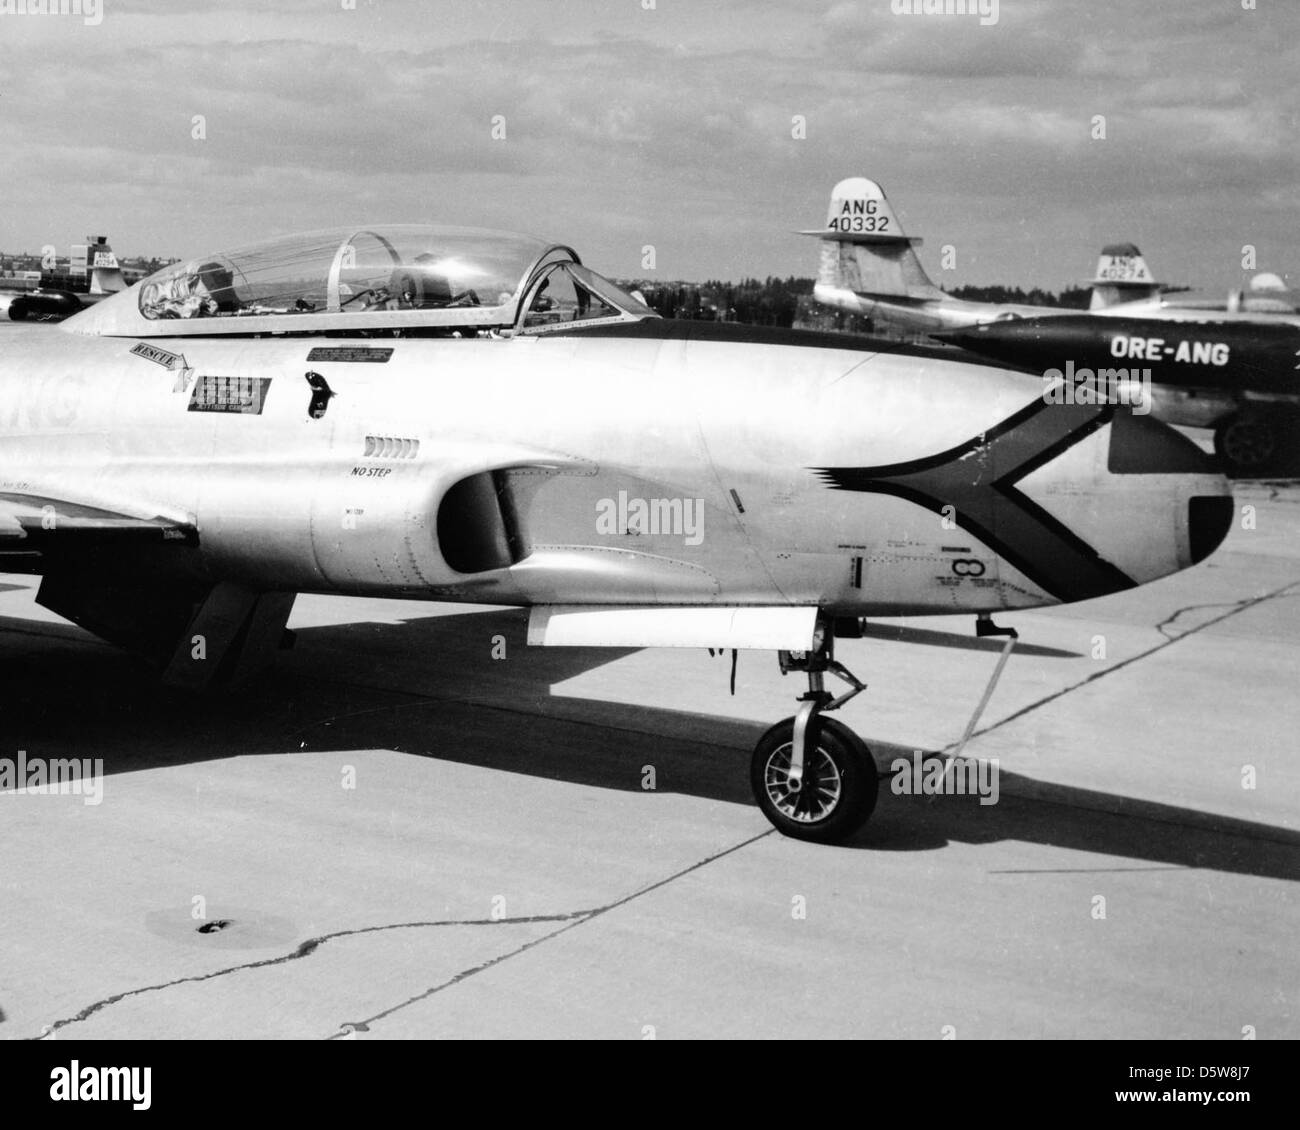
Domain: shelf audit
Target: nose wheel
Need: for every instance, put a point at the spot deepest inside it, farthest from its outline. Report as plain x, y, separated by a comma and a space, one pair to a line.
812, 776
833, 794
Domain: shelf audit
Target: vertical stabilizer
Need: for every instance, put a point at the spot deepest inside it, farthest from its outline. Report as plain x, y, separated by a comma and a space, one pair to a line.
105, 273
864, 249
1122, 276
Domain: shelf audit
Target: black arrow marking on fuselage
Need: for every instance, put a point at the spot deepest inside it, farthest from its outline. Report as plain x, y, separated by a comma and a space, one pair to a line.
977, 478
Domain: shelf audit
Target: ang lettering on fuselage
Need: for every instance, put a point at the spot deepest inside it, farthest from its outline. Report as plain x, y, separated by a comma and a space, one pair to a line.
51, 404
1156, 349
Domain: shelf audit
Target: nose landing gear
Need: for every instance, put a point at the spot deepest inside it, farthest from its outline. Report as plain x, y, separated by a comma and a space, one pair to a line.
813, 777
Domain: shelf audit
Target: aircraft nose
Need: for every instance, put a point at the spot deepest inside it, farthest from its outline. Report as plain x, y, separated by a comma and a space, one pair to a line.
1144, 447
1134, 502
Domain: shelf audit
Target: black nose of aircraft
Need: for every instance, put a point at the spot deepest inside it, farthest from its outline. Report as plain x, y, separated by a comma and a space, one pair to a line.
1023, 342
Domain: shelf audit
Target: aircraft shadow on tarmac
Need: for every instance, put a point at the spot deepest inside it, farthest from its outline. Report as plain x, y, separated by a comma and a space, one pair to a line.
429, 687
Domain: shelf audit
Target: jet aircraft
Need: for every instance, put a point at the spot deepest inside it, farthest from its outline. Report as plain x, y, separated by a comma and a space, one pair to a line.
1231, 369
1266, 294
456, 414
52, 303
869, 267
1233, 373
39, 304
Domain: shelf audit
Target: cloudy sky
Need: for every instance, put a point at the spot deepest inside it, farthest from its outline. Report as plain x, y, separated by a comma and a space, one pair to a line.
666, 122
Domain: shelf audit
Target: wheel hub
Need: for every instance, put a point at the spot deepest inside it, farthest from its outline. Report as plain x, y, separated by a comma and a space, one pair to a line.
807, 801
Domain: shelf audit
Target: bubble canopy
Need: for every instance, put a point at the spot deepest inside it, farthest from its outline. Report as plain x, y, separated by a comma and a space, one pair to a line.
390, 277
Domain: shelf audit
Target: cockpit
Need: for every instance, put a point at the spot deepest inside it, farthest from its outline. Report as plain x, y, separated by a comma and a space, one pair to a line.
386, 281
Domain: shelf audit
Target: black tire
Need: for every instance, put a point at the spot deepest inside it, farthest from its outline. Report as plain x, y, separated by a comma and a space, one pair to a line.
18, 310
846, 787
1246, 443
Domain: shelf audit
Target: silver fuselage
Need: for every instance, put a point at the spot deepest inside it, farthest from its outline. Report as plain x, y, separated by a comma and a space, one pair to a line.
575, 429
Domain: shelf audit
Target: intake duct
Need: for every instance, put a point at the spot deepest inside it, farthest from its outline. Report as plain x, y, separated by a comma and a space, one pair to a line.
478, 529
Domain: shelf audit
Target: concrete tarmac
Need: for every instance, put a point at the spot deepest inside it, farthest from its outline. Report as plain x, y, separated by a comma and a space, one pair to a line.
415, 826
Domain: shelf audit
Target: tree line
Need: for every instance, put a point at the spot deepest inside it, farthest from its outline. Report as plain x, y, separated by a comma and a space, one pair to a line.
788, 302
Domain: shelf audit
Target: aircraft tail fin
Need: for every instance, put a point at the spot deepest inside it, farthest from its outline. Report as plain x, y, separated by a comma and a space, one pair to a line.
1122, 276
99, 261
864, 249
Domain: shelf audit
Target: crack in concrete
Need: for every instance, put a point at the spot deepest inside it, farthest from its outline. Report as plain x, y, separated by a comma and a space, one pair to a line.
1235, 605
573, 919
305, 949
569, 919
587, 916
1169, 641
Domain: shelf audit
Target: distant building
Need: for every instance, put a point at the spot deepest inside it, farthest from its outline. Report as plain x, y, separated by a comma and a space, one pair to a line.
25, 270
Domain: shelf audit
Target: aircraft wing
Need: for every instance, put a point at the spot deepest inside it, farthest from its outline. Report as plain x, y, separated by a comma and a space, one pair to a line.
784, 628
34, 524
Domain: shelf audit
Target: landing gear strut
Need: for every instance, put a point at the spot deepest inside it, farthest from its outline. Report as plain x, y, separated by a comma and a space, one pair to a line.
813, 777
